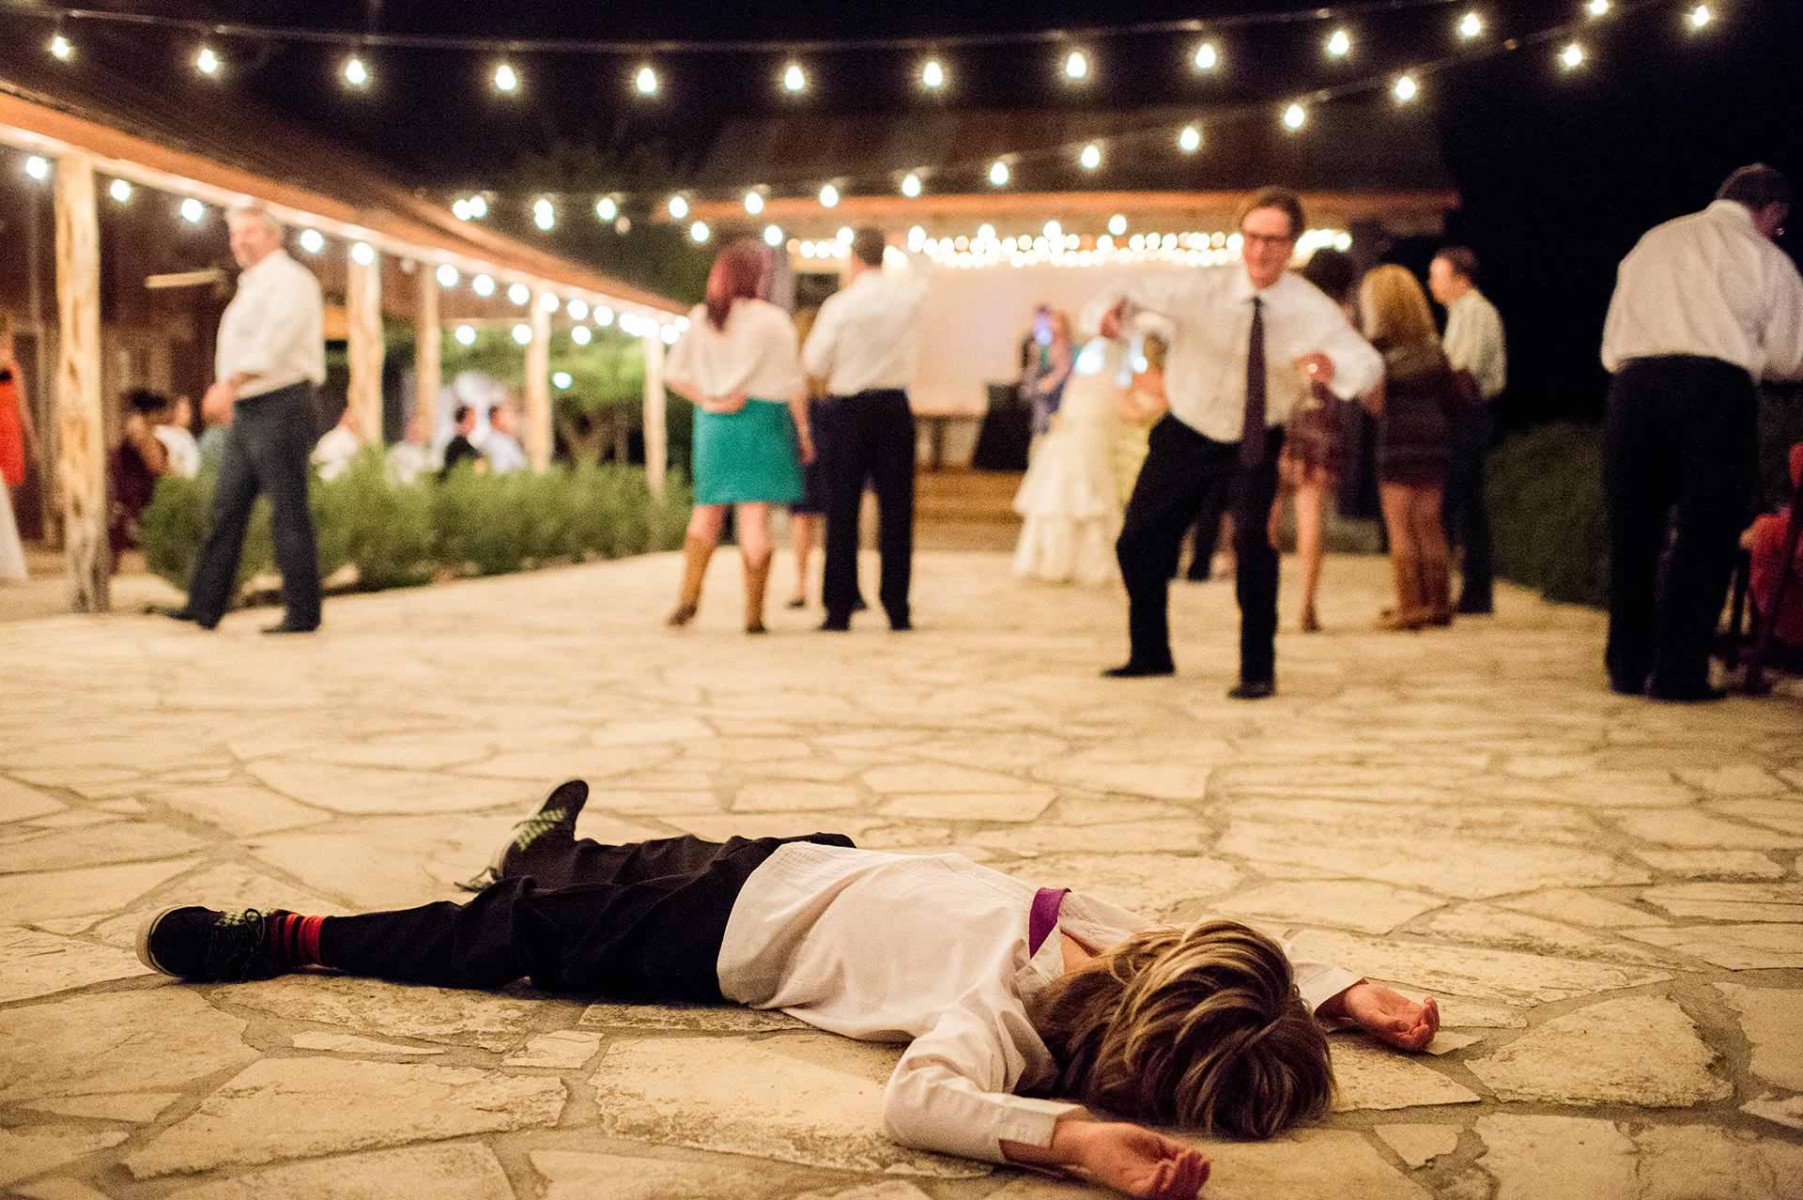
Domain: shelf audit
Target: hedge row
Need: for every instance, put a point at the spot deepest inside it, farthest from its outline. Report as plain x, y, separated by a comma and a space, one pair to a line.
397, 536
1548, 513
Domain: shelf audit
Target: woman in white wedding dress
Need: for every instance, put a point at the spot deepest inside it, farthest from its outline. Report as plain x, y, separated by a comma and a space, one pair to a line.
1069, 501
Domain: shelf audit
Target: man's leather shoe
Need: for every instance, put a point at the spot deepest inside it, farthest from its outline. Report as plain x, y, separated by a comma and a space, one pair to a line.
1253, 689
183, 614
1627, 687
1133, 670
1694, 694
836, 625
282, 628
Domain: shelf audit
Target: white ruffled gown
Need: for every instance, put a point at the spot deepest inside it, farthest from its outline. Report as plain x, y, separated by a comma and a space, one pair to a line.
1068, 501
12, 551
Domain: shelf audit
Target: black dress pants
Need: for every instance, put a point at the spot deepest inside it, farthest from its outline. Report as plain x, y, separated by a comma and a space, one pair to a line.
1682, 435
868, 437
1182, 468
1465, 513
642, 922
266, 449
1206, 535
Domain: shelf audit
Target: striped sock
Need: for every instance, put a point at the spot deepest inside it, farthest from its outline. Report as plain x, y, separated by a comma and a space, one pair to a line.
294, 939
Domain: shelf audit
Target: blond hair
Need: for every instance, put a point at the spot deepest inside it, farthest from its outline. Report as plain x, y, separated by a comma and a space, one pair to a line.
1199, 1026
1395, 308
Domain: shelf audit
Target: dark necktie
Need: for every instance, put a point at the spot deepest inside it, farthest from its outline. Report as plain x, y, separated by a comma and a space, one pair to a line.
1252, 437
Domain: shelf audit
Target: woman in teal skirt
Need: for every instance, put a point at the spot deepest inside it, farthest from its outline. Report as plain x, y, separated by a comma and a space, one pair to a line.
740, 366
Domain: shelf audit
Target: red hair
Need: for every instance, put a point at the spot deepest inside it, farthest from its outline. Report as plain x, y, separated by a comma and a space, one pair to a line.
738, 274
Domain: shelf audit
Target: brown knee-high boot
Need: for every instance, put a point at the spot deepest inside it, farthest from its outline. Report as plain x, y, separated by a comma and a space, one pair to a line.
1409, 612
696, 551
1436, 584
757, 578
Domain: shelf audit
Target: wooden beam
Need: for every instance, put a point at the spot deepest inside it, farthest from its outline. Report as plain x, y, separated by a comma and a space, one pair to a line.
538, 387
657, 440
81, 425
428, 350
363, 308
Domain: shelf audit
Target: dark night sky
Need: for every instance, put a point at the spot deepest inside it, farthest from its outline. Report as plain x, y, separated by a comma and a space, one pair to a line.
1559, 174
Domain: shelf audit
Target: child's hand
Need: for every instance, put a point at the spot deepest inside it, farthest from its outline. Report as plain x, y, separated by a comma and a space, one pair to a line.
1143, 1164
1391, 1017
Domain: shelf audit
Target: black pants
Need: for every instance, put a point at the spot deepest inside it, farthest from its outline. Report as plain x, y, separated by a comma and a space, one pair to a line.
641, 922
1683, 434
1181, 468
1464, 512
1207, 532
868, 437
266, 449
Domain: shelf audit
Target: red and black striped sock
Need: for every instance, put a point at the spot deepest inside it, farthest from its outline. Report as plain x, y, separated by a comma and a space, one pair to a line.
294, 939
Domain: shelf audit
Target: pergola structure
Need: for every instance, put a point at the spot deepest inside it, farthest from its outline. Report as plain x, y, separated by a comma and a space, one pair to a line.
379, 233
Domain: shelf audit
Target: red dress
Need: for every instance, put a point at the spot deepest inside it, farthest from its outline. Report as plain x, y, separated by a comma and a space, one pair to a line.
12, 429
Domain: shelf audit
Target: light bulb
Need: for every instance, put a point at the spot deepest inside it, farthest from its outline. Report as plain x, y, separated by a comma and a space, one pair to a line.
522, 333
465, 335
623, 226
754, 202
519, 293
985, 232
607, 208
582, 335
773, 236
1405, 89
578, 309
561, 380
312, 241
1295, 117
544, 214
1091, 158
1208, 56
795, 80
448, 275
699, 233
999, 173
932, 75
670, 335
61, 48
678, 208
362, 253
1700, 17
1572, 57
1471, 25
1339, 44
1117, 224
549, 302
507, 80
355, 72
845, 235
120, 191
483, 285
206, 61
1054, 232
1076, 65
829, 196
1190, 140
193, 211
460, 208
910, 185
1598, 8
604, 316
644, 81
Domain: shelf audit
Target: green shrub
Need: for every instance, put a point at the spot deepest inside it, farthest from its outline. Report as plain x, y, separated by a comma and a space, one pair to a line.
388, 528
1548, 512
175, 521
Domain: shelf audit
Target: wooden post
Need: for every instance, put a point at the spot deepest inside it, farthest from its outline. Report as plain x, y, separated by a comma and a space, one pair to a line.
657, 437
538, 387
81, 425
363, 305
428, 350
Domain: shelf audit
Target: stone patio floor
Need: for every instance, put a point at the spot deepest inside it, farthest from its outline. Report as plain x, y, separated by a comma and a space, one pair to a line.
1604, 894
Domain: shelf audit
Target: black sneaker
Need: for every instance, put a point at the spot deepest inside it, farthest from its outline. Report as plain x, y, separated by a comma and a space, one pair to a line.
204, 945
555, 819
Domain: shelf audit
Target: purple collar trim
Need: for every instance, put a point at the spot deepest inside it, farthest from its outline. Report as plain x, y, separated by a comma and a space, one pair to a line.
1044, 917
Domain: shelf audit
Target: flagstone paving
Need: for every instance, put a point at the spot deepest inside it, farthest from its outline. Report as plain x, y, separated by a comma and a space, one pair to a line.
1605, 895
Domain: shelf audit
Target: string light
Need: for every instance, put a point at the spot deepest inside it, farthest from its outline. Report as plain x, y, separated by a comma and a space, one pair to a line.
1207, 57
1572, 57
1471, 25
363, 254
1295, 117
754, 202
483, 286
549, 302
312, 241
1054, 232
985, 232
582, 335
623, 226
1339, 44
1117, 224
670, 334
506, 79
678, 208
447, 275
522, 334
478, 207
465, 335
355, 72
999, 173
1699, 17
699, 233
120, 191
829, 196
578, 309
1405, 89
644, 81
932, 75
206, 61
910, 185
773, 236
193, 211
61, 48
519, 293
470, 208
604, 316
1598, 8
1091, 158
1076, 66
38, 167
607, 208
562, 380
544, 214
795, 80
1190, 140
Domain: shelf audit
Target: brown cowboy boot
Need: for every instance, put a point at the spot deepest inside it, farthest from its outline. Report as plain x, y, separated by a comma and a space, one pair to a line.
1409, 612
757, 578
696, 551
1436, 578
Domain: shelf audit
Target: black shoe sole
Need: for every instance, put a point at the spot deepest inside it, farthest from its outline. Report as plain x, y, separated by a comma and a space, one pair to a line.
1133, 671
1253, 691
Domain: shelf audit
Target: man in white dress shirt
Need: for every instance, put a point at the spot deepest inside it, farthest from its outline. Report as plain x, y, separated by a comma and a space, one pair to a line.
1248, 340
1474, 346
502, 449
864, 345
1705, 306
269, 359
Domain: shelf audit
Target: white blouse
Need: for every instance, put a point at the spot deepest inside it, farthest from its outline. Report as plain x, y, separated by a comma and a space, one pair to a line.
755, 354
930, 950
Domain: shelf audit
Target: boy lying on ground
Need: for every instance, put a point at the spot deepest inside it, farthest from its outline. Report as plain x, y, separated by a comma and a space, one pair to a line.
1007, 995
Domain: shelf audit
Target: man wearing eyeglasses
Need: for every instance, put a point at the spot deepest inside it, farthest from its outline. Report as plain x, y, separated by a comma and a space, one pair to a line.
1248, 340
1705, 306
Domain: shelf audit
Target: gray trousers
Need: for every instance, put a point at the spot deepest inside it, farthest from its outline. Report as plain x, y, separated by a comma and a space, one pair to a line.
266, 449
